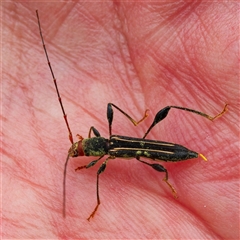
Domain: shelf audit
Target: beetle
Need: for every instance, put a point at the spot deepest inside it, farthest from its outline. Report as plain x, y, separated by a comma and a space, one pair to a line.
117, 146
129, 147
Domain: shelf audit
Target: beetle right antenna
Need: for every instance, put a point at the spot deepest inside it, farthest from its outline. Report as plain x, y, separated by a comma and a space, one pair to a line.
54, 80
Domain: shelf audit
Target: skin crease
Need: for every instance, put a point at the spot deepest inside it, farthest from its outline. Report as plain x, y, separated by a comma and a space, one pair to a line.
137, 56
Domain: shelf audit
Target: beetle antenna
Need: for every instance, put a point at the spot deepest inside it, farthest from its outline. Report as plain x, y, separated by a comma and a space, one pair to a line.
64, 186
54, 80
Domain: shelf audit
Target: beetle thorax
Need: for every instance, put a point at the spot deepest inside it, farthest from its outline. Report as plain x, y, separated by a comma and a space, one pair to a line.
76, 149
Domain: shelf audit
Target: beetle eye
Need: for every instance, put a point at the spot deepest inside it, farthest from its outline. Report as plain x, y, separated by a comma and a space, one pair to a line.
75, 153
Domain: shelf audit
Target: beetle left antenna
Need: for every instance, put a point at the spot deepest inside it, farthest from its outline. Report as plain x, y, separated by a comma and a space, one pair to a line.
64, 186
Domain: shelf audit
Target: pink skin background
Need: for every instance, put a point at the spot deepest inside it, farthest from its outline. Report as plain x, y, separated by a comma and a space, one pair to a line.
138, 56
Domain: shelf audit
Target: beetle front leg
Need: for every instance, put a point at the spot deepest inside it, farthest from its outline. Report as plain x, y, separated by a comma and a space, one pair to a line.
160, 168
91, 164
95, 132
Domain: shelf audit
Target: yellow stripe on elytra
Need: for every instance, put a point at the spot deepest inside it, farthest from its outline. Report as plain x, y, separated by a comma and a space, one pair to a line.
145, 141
140, 149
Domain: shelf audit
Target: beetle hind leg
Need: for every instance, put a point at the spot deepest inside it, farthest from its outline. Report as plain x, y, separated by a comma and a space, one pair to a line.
160, 168
171, 187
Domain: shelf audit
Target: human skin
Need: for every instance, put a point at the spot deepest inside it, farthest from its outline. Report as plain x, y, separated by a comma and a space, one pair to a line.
138, 56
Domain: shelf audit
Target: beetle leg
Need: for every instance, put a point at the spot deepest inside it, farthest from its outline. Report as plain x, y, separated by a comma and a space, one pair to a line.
100, 170
160, 168
91, 164
164, 112
110, 116
95, 132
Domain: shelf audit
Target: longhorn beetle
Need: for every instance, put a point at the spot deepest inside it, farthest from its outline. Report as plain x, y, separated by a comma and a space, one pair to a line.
122, 146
